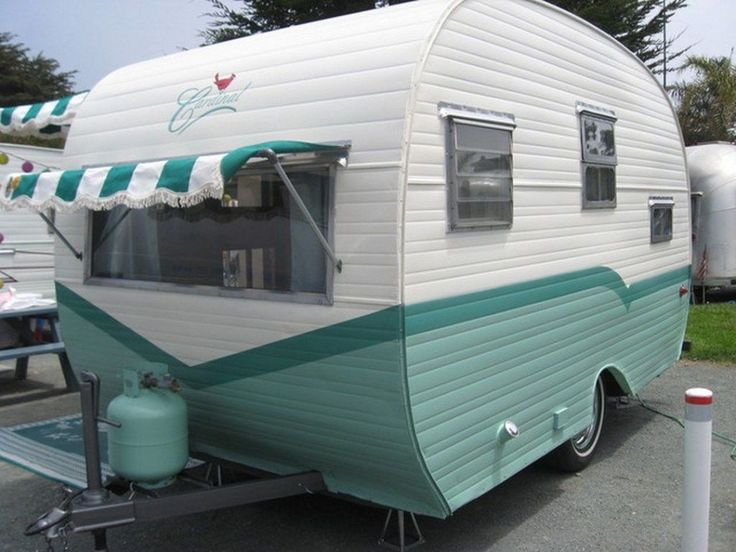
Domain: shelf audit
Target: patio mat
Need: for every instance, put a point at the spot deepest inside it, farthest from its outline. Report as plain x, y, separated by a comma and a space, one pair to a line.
55, 449
52, 448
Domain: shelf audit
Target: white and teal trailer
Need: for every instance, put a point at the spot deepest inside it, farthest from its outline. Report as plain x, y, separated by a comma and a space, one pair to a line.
501, 199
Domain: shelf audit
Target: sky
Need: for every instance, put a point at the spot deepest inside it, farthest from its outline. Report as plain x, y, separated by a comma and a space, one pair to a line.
96, 37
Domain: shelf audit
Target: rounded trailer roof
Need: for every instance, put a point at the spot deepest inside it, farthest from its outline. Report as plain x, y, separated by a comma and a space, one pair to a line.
346, 78
712, 166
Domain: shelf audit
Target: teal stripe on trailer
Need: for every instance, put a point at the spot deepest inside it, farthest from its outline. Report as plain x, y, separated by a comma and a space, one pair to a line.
522, 352
402, 407
332, 400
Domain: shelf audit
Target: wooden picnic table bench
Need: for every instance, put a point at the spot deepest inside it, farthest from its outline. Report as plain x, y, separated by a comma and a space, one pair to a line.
29, 346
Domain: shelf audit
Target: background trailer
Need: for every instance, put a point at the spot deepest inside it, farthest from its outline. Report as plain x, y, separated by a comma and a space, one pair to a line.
712, 169
27, 249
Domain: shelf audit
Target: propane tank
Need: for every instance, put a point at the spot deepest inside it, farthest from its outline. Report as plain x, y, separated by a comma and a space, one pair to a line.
151, 445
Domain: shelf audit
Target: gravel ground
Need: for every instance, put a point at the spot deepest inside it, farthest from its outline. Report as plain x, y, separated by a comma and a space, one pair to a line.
628, 499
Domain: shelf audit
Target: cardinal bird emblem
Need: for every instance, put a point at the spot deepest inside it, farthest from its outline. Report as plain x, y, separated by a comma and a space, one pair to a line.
222, 84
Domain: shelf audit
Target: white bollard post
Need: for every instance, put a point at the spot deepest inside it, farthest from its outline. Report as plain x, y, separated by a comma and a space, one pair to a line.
696, 498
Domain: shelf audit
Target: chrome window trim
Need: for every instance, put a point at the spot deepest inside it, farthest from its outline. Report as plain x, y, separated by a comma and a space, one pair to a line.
454, 224
656, 203
326, 298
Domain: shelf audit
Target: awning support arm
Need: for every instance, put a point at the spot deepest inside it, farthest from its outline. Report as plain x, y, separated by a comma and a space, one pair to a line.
114, 226
61, 236
274, 160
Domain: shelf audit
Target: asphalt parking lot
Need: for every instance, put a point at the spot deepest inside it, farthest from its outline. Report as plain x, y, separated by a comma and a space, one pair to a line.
628, 499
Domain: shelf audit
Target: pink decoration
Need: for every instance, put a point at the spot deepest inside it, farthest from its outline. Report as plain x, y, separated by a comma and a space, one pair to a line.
27, 166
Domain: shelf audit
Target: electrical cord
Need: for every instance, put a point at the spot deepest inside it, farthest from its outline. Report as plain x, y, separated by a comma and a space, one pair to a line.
718, 436
50, 167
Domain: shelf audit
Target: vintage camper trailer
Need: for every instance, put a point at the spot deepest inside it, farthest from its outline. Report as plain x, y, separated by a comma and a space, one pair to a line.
498, 233
712, 170
27, 249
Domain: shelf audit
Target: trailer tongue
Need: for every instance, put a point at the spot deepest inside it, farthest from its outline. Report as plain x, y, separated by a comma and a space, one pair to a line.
96, 507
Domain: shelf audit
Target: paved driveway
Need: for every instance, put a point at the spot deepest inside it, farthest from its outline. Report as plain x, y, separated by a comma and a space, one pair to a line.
628, 499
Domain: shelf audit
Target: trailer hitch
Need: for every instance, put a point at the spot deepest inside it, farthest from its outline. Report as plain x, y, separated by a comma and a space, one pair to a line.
55, 524
48, 523
95, 509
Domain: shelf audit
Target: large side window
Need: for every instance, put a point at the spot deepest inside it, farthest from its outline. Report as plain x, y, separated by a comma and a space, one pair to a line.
480, 175
254, 239
598, 160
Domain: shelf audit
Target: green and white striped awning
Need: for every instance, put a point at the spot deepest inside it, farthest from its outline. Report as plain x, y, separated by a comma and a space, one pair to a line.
41, 119
176, 182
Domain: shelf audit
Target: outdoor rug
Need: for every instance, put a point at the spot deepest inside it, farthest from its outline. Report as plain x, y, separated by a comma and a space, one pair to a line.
52, 448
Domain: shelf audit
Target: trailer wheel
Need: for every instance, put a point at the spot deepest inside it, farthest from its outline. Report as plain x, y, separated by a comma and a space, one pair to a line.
575, 454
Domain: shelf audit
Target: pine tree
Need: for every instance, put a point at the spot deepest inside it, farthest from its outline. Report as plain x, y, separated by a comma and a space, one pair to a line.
29, 79
638, 24
257, 16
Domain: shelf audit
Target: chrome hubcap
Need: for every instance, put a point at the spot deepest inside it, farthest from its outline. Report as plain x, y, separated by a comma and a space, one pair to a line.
585, 438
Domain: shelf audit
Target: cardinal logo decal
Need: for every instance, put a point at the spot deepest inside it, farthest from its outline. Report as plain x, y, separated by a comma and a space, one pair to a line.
193, 104
222, 84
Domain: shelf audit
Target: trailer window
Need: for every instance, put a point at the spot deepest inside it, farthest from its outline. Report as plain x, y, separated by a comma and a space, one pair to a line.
599, 161
480, 175
660, 210
254, 239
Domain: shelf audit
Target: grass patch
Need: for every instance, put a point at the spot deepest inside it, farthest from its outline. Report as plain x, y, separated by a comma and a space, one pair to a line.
712, 330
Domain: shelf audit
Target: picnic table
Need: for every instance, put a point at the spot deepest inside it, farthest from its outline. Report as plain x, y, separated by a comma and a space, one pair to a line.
29, 345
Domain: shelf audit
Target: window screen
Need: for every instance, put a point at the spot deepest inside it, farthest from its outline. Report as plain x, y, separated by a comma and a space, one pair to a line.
254, 238
480, 175
661, 218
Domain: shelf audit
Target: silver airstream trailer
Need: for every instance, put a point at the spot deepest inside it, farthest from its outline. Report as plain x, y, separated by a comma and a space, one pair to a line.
712, 169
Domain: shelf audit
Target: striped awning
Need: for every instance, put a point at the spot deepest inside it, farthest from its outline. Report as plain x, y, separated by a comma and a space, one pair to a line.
177, 182
41, 119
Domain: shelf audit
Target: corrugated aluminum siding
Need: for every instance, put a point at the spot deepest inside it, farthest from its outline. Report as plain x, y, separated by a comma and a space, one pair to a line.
535, 62
24, 231
713, 172
257, 394
343, 79
467, 376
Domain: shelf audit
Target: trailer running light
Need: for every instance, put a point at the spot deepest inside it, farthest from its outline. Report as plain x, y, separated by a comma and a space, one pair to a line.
507, 431
684, 291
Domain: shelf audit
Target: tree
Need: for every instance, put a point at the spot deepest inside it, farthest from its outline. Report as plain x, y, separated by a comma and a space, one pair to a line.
637, 24
29, 79
257, 16
707, 105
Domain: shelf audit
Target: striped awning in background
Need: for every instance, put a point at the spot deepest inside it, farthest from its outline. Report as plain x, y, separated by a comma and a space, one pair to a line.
176, 182
41, 119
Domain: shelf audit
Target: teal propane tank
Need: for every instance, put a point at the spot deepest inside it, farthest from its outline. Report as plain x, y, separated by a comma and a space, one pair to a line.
151, 445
